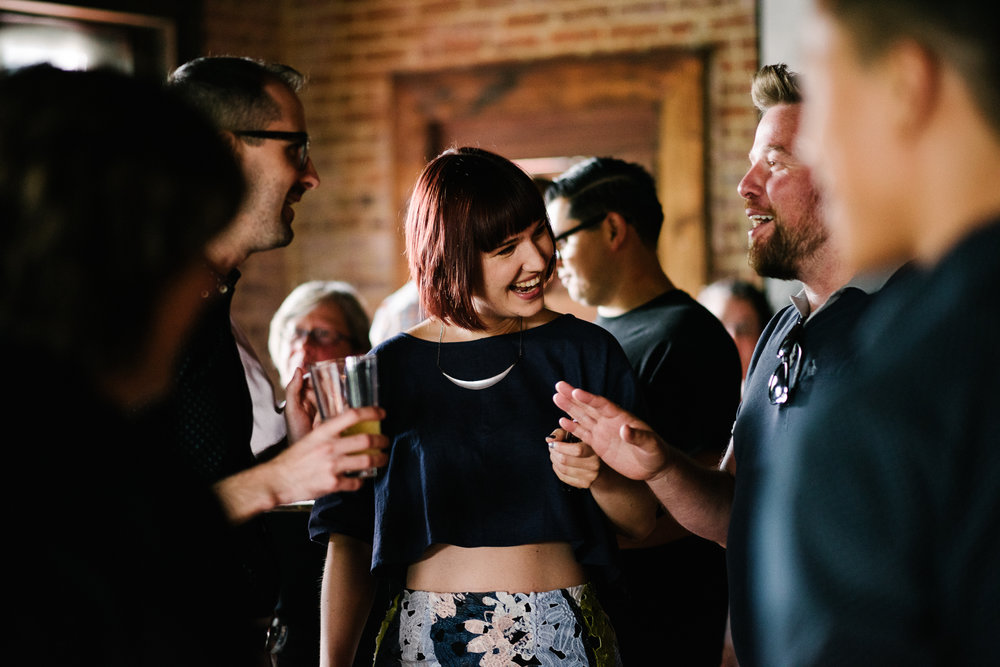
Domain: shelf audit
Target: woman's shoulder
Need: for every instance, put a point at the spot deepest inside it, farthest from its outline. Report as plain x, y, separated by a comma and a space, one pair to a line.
569, 333
399, 343
426, 330
562, 324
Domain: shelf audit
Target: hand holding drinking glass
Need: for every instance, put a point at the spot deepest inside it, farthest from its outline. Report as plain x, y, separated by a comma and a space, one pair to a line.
349, 382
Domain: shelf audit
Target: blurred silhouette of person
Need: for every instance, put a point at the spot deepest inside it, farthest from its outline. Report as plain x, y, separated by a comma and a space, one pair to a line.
224, 413
318, 320
743, 310
881, 529
116, 553
670, 603
398, 312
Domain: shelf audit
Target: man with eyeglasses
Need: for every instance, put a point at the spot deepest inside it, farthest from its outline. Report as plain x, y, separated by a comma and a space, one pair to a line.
670, 601
804, 347
222, 416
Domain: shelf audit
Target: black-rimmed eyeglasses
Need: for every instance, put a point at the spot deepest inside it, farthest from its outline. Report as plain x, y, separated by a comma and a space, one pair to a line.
560, 238
785, 377
299, 140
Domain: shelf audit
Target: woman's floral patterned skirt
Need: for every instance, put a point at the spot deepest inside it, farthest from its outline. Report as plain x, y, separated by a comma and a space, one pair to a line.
552, 628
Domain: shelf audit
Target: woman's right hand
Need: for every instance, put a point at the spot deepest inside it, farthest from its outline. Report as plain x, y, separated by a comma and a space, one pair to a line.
574, 462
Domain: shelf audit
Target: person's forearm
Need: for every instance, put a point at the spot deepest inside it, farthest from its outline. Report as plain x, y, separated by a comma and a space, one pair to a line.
346, 599
246, 494
699, 498
628, 504
667, 530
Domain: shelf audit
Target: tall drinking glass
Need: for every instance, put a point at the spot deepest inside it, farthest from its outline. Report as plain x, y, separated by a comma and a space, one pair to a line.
348, 382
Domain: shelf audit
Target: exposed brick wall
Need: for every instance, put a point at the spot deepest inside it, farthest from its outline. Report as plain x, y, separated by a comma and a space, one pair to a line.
348, 228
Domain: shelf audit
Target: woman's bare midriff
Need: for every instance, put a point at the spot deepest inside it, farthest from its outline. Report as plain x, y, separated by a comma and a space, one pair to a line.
528, 568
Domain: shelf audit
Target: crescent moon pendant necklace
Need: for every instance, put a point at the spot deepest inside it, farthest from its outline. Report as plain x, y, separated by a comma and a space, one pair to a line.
485, 383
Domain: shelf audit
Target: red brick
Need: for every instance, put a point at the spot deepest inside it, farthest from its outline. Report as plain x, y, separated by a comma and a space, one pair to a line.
634, 30
585, 14
575, 36
520, 20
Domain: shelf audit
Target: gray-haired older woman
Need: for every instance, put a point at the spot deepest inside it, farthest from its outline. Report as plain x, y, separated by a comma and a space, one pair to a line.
318, 320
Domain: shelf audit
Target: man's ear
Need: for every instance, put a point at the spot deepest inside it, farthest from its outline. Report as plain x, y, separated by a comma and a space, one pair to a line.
616, 229
234, 143
913, 76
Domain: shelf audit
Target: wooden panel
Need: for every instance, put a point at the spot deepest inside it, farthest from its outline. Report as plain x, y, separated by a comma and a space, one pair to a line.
683, 244
622, 130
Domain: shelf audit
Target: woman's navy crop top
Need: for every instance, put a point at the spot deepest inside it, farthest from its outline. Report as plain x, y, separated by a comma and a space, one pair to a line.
471, 467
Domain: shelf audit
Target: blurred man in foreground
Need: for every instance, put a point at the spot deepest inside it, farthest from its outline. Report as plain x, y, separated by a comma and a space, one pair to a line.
117, 556
880, 533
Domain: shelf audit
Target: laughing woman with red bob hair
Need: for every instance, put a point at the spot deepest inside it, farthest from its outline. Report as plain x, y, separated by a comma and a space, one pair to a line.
492, 538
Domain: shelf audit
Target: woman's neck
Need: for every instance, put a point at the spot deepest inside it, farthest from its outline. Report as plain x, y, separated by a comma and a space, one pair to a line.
431, 328
451, 333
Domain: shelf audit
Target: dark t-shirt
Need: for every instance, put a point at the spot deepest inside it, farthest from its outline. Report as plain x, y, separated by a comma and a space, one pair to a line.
762, 432
883, 521
670, 605
688, 369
